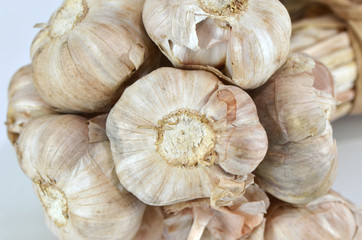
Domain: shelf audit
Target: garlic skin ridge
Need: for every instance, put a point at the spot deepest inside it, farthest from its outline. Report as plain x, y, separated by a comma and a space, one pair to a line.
247, 39
75, 180
88, 50
189, 137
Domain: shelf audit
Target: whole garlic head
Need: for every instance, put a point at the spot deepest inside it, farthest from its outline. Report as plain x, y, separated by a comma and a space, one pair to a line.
75, 181
178, 135
24, 103
248, 39
87, 51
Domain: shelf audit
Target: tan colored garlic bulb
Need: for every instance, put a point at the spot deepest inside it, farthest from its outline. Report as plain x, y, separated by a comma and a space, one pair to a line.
83, 56
24, 103
198, 220
178, 135
247, 39
75, 180
294, 107
330, 217
297, 101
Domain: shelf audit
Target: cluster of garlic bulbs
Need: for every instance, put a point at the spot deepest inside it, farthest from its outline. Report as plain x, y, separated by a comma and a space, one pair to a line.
230, 139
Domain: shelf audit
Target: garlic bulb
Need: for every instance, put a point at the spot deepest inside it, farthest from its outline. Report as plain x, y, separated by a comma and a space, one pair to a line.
236, 221
294, 107
24, 103
178, 135
248, 39
330, 217
297, 101
86, 52
75, 181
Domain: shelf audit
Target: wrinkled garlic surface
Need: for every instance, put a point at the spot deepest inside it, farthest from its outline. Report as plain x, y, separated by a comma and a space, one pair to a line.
297, 101
24, 103
247, 39
330, 217
86, 52
178, 135
75, 180
197, 219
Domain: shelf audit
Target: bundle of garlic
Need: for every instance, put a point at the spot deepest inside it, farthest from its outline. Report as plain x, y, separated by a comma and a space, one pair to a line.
174, 153
334, 38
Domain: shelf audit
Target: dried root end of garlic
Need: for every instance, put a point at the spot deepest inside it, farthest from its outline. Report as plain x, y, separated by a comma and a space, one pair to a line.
179, 135
53, 200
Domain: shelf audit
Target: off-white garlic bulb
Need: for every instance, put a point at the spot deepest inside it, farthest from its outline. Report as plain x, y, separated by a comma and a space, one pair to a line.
197, 220
297, 101
24, 103
86, 52
247, 39
294, 107
75, 181
330, 217
178, 135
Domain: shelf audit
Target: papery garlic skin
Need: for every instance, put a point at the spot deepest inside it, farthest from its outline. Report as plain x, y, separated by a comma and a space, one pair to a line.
328, 218
86, 52
248, 38
178, 135
24, 103
75, 180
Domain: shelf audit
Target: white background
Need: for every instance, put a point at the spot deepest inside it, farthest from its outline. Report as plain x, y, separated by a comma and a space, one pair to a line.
21, 216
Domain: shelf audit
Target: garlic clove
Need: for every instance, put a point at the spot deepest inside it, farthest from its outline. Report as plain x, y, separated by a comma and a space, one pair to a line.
239, 36
166, 148
299, 172
329, 217
24, 103
297, 101
88, 50
75, 180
